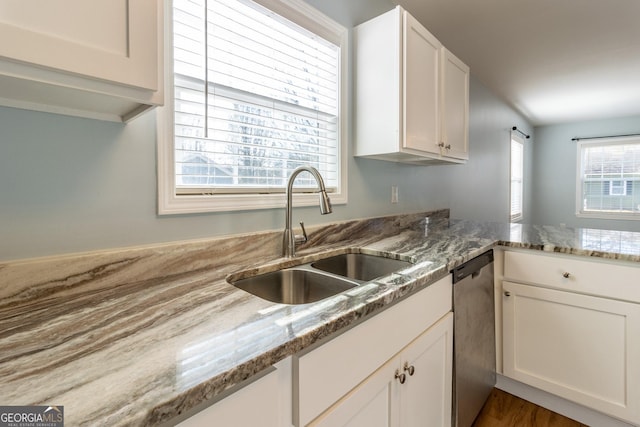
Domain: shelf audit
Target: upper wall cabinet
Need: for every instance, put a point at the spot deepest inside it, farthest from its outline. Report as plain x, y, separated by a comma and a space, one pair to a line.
100, 59
454, 106
412, 94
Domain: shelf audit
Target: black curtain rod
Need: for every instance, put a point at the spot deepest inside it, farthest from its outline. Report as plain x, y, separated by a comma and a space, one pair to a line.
520, 132
604, 137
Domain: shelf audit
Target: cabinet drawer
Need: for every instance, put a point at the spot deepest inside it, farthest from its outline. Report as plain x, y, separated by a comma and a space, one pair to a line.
330, 371
584, 275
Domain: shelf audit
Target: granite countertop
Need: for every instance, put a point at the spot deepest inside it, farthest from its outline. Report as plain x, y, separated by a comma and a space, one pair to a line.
137, 337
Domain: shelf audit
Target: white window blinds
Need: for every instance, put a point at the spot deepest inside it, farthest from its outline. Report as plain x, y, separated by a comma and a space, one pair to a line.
517, 173
255, 97
609, 181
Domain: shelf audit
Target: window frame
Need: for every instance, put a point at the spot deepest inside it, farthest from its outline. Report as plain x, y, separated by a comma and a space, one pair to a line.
602, 214
169, 202
518, 216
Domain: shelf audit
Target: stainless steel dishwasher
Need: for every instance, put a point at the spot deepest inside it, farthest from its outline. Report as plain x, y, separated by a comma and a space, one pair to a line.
474, 347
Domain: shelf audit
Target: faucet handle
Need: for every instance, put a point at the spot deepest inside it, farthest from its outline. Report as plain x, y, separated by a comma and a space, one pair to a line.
303, 238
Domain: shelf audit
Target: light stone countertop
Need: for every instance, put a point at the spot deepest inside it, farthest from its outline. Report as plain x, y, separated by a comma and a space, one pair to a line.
138, 336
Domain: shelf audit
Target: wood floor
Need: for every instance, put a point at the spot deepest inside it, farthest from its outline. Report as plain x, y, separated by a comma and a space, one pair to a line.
505, 410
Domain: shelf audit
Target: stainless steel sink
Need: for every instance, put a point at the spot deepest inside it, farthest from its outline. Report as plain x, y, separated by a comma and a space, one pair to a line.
318, 280
361, 267
294, 286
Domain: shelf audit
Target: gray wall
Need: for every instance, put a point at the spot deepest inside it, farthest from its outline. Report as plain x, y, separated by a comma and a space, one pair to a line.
554, 177
70, 185
480, 188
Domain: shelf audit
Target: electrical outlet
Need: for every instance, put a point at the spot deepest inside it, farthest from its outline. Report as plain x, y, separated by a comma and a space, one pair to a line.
394, 194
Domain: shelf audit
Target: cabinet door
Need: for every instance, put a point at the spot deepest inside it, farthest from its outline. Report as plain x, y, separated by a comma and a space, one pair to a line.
112, 40
426, 395
422, 399
454, 106
420, 87
371, 404
583, 348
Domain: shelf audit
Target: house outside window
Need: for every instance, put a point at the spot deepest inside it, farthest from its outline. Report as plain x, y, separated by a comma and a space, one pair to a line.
256, 90
618, 187
608, 182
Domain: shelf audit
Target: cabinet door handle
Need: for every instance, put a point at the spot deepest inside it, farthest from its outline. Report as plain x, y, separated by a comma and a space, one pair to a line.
400, 377
566, 274
409, 368
507, 293
448, 147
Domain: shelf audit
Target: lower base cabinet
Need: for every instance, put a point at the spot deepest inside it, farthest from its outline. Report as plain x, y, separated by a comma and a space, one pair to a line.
572, 328
580, 347
412, 389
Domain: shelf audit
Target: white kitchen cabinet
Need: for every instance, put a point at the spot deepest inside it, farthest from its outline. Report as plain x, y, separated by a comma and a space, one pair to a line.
425, 397
454, 126
420, 87
265, 402
328, 373
570, 327
412, 94
100, 59
411, 389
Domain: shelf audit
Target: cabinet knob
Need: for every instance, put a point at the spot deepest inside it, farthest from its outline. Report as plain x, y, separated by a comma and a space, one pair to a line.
409, 368
448, 146
441, 144
400, 377
507, 294
566, 274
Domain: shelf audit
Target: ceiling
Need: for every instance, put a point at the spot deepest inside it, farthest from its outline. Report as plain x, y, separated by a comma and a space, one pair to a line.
555, 61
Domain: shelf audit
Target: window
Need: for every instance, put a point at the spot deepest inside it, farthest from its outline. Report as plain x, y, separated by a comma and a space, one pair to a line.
516, 183
618, 187
256, 90
608, 183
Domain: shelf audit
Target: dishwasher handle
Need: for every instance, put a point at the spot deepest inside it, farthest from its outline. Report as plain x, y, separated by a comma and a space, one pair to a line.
472, 266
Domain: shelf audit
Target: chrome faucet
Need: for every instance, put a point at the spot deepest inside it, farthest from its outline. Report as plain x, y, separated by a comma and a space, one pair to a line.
290, 238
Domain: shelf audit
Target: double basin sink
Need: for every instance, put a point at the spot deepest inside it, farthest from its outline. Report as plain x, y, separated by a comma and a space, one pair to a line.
320, 279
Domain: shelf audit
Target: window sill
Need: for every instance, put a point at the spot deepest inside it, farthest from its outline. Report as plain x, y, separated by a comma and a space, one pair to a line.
174, 205
607, 215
